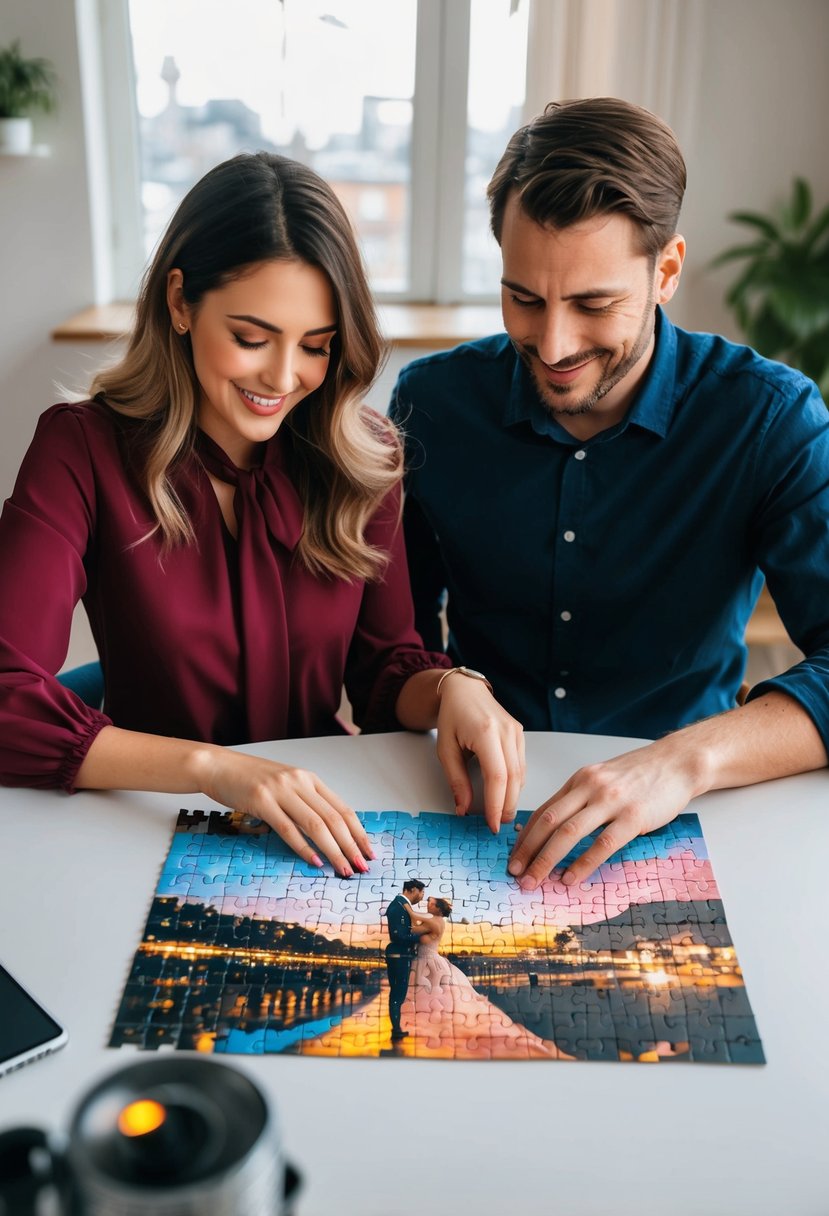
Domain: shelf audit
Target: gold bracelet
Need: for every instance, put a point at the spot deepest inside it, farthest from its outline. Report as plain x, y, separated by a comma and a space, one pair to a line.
464, 671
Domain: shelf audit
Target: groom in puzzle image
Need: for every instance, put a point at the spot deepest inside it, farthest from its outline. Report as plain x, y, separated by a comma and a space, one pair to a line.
401, 950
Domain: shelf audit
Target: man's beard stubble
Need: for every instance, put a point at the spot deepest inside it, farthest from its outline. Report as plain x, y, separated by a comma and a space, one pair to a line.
607, 381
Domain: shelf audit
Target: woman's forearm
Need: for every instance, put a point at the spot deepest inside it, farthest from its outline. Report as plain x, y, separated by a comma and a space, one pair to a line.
418, 701
126, 759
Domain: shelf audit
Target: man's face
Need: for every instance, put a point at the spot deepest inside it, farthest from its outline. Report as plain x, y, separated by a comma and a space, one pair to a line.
415, 895
579, 306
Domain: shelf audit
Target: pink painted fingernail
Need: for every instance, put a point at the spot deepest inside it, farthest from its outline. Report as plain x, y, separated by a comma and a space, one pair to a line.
347, 872
370, 851
360, 864
316, 861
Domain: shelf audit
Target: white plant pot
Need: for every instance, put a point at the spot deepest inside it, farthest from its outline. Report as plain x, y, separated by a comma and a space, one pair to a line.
15, 135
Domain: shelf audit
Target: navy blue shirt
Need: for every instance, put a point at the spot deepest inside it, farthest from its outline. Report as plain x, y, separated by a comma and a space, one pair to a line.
604, 586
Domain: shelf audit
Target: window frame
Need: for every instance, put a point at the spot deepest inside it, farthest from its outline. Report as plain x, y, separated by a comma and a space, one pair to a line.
438, 151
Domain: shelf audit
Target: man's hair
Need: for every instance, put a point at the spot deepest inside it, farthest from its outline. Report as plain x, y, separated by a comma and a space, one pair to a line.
414, 884
599, 156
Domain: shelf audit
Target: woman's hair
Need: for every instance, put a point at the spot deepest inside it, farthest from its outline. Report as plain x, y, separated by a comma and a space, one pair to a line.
596, 156
444, 906
344, 458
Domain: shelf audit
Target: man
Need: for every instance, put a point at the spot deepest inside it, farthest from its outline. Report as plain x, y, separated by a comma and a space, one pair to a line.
401, 950
601, 494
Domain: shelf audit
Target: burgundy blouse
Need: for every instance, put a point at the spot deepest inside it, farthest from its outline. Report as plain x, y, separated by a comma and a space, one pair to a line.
227, 641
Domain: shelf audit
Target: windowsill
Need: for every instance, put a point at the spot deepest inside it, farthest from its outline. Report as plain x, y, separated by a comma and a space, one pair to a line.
429, 325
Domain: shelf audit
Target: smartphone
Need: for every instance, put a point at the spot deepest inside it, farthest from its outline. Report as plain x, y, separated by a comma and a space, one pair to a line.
27, 1031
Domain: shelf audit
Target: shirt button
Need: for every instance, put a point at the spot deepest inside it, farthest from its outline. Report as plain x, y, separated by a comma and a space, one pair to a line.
566, 616
580, 454
568, 536
561, 693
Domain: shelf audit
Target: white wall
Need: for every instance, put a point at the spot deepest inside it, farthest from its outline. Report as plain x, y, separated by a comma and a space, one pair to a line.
761, 118
45, 241
757, 70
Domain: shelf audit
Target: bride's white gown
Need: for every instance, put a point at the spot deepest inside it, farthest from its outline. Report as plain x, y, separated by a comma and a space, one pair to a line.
444, 1009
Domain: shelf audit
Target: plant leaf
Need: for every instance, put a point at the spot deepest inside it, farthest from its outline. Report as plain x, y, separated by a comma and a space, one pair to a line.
766, 226
799, 308
757, 275
767, 334
819, 225
797, 212
739, 251
812, 357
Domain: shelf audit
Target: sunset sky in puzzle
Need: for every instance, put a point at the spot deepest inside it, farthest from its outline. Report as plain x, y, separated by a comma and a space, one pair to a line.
257, 876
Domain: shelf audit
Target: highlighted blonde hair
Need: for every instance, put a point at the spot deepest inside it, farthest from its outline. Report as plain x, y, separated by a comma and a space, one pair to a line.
344, 458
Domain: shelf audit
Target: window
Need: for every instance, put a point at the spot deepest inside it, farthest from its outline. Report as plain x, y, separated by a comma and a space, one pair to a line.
403, 107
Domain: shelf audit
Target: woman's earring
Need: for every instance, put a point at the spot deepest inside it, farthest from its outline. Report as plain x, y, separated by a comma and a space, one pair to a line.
182, 327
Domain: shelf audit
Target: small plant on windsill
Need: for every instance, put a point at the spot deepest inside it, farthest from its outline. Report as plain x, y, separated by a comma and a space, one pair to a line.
781, 297
26, 85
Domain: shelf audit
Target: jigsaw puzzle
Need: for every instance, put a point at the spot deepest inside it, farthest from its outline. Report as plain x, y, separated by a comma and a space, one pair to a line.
247, 949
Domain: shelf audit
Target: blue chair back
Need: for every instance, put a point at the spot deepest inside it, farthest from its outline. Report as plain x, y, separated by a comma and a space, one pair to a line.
87, 682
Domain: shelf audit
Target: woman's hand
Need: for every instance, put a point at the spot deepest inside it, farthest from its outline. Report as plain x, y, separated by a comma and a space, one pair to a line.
470, 720
294, 802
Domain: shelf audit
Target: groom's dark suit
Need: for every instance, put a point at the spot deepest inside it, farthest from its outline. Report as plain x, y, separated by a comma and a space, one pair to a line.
399, 955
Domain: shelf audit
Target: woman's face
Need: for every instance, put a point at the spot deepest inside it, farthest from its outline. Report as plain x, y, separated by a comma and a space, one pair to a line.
431, 906
260, 344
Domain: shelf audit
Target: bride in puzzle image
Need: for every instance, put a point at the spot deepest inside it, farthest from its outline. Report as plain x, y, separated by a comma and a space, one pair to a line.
445, 1010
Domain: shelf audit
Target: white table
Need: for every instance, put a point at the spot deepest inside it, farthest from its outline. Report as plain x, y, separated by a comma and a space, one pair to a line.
381, 1137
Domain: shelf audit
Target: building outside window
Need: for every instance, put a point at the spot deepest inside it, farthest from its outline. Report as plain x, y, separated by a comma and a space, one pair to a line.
404, 107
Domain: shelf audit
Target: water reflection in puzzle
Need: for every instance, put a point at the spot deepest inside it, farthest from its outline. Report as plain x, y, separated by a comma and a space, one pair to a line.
249, 950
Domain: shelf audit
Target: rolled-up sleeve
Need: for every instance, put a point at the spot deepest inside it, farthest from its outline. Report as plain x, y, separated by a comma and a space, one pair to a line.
792, 540
45, 530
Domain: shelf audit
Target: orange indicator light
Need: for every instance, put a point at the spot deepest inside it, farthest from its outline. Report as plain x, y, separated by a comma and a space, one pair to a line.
141, 1117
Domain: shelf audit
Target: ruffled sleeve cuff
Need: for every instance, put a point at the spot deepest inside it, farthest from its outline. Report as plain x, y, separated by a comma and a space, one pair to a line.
68, 771
45, 731
378, 715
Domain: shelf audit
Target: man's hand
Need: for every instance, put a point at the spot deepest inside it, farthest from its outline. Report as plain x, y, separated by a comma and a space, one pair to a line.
646, 788
629, 795
470, 720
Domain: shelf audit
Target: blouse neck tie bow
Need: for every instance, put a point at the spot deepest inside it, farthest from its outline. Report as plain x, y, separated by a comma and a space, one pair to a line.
270, 519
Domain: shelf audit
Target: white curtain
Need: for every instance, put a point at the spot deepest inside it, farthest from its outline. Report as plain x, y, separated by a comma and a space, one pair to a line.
645, 51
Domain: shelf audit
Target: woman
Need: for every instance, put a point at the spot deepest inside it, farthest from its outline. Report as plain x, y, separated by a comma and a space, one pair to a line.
448, 1012
228, 511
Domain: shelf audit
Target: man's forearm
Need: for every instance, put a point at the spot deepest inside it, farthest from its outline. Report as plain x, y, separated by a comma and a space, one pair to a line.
767, 738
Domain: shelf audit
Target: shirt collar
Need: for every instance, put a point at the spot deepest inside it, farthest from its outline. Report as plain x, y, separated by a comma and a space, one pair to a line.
652, 409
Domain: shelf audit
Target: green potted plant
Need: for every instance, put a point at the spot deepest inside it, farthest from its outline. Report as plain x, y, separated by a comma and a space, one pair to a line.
781, 297
26, 85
